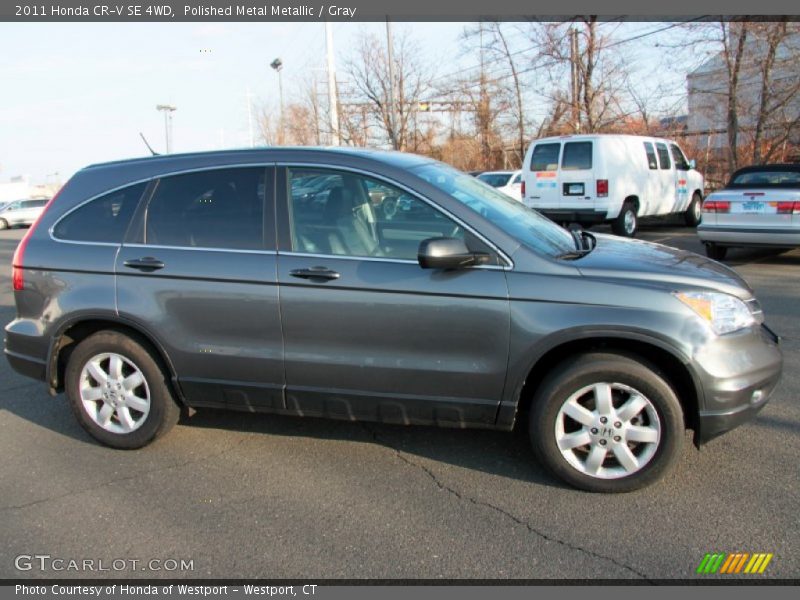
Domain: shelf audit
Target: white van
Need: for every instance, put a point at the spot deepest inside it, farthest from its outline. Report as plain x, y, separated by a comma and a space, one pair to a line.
596, 178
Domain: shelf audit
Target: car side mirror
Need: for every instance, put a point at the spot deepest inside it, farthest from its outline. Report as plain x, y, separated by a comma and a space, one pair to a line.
692, 164
448, 253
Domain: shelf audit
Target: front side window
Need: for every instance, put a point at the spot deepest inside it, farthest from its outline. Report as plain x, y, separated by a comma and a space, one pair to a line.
663, 156
680, 160
359, 216
652, 163
104, 219
577, 156
545, 157
221, 208
522, 223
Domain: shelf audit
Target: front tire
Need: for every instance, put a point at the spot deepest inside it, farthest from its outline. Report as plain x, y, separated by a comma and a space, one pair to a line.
119, 391
627, 222
694, 213
606, 423
3, 224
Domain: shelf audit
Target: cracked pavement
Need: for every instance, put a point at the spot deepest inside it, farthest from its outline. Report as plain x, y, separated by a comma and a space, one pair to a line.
265, 496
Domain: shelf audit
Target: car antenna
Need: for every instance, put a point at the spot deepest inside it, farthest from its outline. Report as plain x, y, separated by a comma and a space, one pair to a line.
149, 147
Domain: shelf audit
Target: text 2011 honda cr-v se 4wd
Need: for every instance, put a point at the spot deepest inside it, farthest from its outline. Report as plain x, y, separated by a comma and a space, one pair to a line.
384, 287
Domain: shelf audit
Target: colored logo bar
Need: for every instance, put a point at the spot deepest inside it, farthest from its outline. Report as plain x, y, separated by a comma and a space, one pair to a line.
734, 563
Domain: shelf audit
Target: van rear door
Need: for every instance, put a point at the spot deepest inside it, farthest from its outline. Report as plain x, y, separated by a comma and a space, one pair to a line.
576, 184
541, 181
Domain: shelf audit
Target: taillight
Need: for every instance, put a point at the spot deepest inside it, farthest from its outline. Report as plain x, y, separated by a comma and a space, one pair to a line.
716, 206
602, 188
17, 266
789, 208
522, 189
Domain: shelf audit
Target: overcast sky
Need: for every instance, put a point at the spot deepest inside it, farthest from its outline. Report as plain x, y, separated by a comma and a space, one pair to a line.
78, 93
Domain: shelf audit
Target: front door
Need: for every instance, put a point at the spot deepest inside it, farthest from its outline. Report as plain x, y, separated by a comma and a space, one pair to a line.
368, 333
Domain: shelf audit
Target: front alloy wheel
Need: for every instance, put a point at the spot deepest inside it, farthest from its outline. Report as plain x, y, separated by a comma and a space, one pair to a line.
605, 441
606, 422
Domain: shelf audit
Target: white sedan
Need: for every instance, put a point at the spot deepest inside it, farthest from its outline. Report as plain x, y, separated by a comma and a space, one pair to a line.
759, 207
508, 182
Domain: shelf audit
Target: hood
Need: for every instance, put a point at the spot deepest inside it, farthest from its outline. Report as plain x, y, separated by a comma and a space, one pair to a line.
616, 257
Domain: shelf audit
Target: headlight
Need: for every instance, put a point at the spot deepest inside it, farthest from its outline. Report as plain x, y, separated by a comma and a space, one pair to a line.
723, 312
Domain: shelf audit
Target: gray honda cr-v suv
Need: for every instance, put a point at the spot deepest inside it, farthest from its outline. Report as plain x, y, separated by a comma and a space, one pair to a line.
378, 286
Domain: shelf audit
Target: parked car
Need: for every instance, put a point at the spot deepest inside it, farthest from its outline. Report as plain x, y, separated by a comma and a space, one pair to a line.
204, 280
760, 206
508, 182
21, 212
597, 178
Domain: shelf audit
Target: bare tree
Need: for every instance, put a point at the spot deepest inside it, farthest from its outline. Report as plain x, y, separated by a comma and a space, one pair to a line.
368, 72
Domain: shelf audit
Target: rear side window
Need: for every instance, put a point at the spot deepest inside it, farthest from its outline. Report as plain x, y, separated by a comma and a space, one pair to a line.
545, 157
663, 156
651, 156
104, 219
221, 208
577, 156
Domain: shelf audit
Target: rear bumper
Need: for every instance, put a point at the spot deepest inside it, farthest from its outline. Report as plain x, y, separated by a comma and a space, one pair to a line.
26, 365
742, 236
26, 349
574, 216
734, 398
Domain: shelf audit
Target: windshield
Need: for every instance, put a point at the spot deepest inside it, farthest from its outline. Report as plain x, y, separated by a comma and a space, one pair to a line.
495, 179
513, 217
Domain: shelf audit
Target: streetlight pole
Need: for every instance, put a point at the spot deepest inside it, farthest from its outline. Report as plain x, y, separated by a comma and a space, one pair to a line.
390, 56
277, 64
167, 109
333, 107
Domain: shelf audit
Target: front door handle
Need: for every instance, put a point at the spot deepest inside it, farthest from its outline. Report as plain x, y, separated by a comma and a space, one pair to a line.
323, 273
146, 264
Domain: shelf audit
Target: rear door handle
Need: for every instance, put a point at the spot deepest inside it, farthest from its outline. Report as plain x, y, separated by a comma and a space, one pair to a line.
146, 264
315, 273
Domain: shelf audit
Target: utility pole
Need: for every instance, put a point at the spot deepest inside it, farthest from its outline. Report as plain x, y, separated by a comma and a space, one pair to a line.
333, 107
574, 57
248, 96
277, 64
390, 54
483, 110
167, 109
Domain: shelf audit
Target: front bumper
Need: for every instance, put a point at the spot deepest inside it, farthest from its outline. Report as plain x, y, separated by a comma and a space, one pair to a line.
740, 375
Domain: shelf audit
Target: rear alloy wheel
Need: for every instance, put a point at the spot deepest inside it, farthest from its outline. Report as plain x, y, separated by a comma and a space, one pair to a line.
118, 391
627, 222
3, 224
716, 252
694, 214
606, 423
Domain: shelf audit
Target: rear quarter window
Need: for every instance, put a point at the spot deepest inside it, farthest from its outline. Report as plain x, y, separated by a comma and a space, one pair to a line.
577, 156
104, 219
545, 157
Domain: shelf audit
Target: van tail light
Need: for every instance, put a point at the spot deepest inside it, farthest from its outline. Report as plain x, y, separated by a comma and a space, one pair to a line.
789, 208
522, 189
602, 188
17, 263
716, 206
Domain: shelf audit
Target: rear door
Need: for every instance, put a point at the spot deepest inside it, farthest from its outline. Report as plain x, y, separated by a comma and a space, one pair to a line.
541, 186
198, 270
369, 334
576, 181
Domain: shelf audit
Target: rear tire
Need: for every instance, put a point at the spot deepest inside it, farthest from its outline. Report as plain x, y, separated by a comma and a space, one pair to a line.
716, 252
694, 214
119, 391
3, 224
627, 222
628, 429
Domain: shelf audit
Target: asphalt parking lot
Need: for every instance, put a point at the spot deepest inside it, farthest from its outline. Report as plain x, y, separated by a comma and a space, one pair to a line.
263, 496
